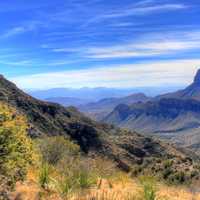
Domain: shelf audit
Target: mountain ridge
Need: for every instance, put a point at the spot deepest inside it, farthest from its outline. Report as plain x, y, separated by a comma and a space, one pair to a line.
174, 116
190, 92
125, 148
98, 110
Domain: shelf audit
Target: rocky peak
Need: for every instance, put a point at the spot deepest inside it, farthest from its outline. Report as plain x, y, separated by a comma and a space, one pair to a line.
197, 78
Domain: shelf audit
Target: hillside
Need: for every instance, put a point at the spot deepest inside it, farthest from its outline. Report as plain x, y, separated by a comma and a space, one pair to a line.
98, 110
174, 116
126, 148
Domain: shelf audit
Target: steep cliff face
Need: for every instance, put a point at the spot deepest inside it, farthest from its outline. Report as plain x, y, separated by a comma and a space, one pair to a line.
191, 92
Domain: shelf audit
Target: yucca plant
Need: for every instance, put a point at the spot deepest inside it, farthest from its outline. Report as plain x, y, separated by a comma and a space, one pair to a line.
44, 177
149, 188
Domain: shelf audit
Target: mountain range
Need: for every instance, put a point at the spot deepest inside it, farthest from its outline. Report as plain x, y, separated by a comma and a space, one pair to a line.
98, 110
85, 93
96, 94
174, 116
124, 147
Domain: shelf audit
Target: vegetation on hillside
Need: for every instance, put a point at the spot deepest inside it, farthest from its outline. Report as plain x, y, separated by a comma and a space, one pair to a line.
60, 166
16, 150
65, 170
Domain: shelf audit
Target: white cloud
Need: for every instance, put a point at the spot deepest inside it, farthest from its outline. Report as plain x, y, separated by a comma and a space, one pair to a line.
174, 72
148, 45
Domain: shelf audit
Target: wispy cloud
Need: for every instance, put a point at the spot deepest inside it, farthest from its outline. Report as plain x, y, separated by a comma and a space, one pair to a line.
17, 63
145, 2
176, 72
21, 29
146, 46
138, 9
146, 10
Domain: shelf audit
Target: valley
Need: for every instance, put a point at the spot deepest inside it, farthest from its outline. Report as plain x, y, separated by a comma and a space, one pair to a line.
127, 151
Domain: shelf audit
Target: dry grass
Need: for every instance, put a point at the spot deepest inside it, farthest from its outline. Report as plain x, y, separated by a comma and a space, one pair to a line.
120, 187
176, 193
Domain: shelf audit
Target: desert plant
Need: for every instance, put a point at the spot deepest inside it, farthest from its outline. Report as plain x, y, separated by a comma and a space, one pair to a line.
65, 186
84, 179
44, 174
149, 188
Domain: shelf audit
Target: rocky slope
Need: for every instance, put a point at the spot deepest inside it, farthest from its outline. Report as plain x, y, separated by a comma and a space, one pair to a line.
98, 110
175, 116
126, 148
191, 92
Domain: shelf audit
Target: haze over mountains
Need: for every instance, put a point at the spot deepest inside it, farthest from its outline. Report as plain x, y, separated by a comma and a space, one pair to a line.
100, 109
90, 94
96, 94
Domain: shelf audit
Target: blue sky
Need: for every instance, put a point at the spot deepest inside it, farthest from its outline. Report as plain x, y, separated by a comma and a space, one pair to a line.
92, 43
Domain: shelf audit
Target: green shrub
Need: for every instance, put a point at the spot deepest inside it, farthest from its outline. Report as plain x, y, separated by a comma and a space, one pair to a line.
168, 164
54, 149
194, 173
180, 177
136, 171
16, 150
167, 172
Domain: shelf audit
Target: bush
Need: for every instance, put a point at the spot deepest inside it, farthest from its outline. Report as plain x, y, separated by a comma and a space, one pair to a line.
136, 171
16, 151
166, 173
168, 164
54, 149
180, 177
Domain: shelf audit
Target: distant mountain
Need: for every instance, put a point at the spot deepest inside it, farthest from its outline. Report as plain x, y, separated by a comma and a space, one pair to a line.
98, 110
175, 116
191, 92
91, 94
68, 101
125, 148
97, 94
